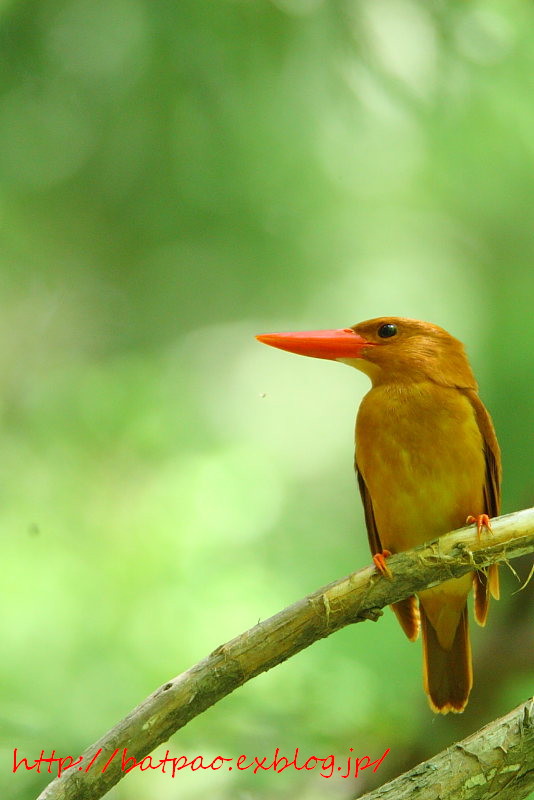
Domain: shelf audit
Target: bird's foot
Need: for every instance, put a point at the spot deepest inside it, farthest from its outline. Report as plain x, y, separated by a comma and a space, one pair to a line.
379, 560
481, 521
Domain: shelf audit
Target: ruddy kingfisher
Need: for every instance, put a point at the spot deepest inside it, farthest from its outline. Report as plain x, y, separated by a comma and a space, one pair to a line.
427, 461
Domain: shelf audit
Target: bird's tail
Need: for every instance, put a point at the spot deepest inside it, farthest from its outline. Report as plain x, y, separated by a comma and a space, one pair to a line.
447, 674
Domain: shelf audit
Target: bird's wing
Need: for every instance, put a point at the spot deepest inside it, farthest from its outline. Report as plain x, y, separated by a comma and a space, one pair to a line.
406, 610
492, 486
492, 503
370, 522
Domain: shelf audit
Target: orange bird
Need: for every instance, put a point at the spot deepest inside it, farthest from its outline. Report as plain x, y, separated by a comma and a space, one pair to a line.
426, 459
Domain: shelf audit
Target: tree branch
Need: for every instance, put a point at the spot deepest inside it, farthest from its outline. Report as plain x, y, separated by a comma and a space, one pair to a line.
495, 762
355, 598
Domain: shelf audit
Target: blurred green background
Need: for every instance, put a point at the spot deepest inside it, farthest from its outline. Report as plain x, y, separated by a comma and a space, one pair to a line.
175, 178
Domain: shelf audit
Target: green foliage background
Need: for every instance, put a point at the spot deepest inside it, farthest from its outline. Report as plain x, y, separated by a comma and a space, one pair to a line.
174, 178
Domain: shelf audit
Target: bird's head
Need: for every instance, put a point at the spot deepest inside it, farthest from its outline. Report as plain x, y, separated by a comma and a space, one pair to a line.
388, 350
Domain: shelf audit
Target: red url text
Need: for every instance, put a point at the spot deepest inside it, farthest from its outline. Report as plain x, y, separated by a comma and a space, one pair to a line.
169, 765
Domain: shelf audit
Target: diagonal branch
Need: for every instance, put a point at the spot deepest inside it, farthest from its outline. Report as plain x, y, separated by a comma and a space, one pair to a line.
495, 762
355, 598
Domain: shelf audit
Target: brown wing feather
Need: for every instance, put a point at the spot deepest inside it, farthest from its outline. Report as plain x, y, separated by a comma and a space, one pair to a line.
406, 610
483, 582
370, 523
492, 487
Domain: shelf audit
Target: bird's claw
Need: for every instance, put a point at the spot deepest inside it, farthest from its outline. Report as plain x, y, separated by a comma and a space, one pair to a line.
379, 560
481, 521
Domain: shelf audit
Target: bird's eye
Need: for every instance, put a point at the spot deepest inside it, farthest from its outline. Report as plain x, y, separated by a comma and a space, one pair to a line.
387, 330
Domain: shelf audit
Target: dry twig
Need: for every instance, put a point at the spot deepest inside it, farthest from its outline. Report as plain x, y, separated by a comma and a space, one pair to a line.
355, 598
496, 763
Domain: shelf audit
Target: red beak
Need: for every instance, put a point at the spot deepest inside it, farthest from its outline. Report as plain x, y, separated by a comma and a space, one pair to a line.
343, 343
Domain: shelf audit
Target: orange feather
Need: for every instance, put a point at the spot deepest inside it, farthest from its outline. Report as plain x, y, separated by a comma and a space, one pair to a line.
426, 458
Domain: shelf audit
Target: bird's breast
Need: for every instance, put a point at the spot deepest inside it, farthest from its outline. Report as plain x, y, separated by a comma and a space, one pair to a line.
420, 453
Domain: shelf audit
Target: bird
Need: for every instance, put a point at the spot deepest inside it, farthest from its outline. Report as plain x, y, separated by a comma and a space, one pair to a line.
427, 461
